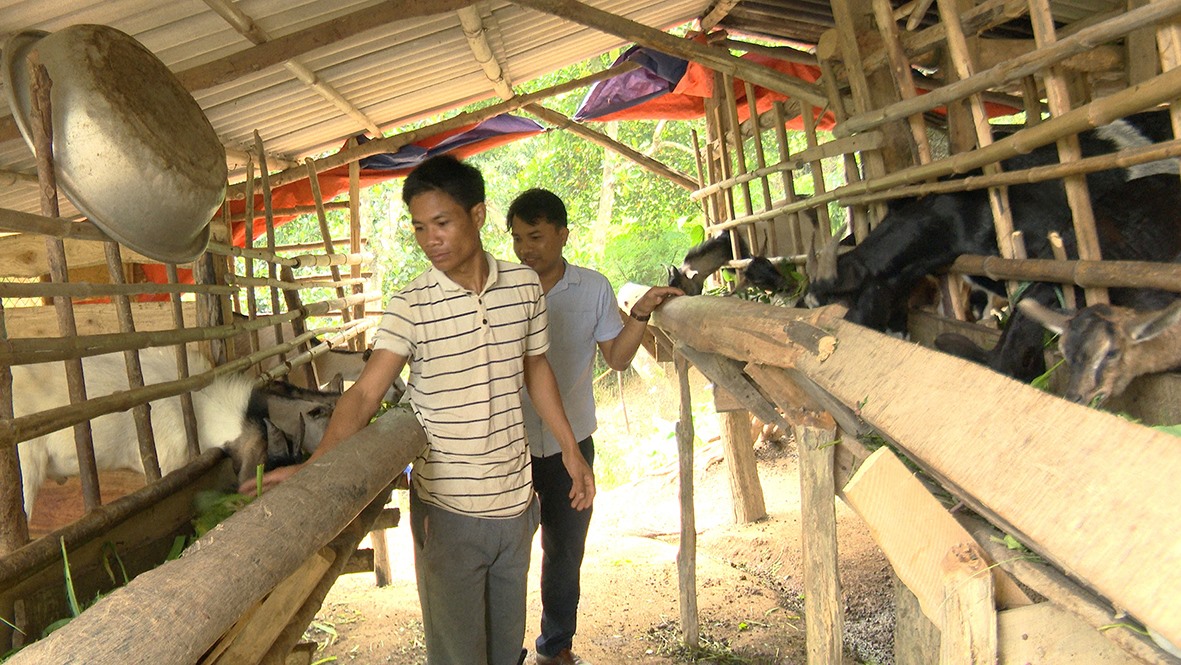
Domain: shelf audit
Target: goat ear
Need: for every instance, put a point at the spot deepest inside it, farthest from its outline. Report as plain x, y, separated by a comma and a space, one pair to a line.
335, 384
1053, 321
1160, 323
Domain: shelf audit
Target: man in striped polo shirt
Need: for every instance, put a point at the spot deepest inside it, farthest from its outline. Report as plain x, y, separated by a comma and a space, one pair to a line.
473, 330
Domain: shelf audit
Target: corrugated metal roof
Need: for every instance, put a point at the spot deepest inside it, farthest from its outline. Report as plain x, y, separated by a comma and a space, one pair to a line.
392, 73
404, 69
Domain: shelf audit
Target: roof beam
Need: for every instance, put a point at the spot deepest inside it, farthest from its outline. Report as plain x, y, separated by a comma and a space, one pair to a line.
715, 14
562, 122
477, 40
716, 59
252, 31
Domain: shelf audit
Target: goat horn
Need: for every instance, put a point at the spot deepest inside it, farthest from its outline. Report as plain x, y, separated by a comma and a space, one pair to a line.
1053, 321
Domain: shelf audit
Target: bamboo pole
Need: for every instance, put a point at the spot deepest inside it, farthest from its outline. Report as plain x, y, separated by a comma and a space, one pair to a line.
961, 56
299, 327
144, 434
1101, 111
247, 246
198, 596
325, 233
735, 127
1077, 194
903, 74
1093, 274
182, 372
358, 343
818, 184
269, 213
88, 290
761, 162
562, 122
14, 524
1124, 159
24, 351
1016, 68
859, 214
687, 553
796, 235
322, 281
42, 122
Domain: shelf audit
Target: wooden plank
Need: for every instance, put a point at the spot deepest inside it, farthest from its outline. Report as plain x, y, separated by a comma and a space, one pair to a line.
1045, 633
24, 255
380, 563
252, 636
968, 627
914, 530
1025, 476
39, 322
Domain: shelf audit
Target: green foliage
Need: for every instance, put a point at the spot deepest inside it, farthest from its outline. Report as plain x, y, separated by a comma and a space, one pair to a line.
1175, 430
212, 507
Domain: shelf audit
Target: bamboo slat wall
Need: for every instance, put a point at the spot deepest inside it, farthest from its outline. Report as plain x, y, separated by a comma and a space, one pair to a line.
881, 119
228, 302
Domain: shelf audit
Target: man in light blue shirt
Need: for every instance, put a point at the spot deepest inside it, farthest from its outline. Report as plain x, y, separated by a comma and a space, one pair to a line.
583, 316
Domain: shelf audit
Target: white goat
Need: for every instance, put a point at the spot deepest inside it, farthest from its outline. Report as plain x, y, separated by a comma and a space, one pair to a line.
1105, 347
228, 412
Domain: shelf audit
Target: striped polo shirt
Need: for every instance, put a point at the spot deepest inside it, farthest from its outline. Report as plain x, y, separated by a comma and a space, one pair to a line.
466, 354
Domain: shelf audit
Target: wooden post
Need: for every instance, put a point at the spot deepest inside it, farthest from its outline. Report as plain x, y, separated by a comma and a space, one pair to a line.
182, 369
745, 490
42, 122
269, 215
903, 74
135, 376
756, 131
14, 525
969, 623
357, 342
795, 235
815, 433
1077, 194
687, 554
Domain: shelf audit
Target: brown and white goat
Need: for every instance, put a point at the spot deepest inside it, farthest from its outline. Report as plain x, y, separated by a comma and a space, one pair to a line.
1105, 347
231, 414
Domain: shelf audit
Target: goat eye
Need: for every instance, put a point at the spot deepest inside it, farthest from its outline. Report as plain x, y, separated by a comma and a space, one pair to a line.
1112, 354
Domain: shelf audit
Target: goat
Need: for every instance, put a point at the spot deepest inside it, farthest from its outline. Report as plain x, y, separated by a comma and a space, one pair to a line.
1106, 347
231, 414
921, 236
707, 257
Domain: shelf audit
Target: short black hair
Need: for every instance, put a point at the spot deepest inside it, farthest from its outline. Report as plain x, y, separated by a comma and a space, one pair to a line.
444, 173
536, 206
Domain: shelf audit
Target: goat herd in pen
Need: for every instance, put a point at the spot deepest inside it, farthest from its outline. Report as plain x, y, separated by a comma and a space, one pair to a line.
1104, 346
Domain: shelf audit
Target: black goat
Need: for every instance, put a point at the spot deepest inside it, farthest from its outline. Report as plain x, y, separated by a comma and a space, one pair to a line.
921, 236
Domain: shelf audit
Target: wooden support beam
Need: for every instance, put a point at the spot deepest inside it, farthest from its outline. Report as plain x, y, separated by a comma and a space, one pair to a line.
199, 596
687, 552
716, 59
715, 14
477, 40
250, 638
1045, 633
562, 122
1017, 480
815, 434
745, 490
968, 610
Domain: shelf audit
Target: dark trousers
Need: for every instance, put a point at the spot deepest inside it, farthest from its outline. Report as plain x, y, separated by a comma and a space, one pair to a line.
563, 541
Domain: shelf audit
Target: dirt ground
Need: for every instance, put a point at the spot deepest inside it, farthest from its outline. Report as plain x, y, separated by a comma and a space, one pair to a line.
749, 581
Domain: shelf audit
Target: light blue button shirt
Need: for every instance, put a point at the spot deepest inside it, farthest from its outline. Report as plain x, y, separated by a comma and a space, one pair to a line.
582, 313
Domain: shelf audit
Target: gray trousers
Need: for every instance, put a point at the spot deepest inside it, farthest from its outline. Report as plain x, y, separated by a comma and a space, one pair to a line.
472, 579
